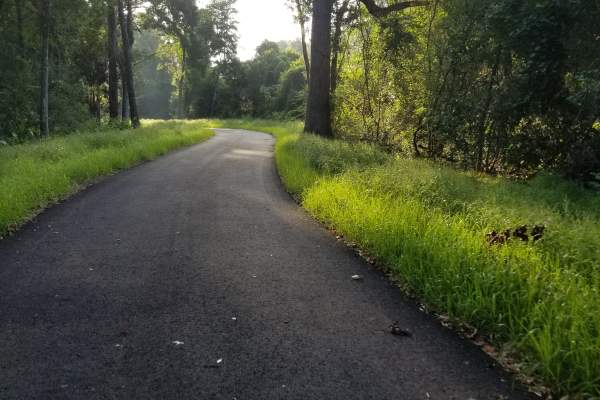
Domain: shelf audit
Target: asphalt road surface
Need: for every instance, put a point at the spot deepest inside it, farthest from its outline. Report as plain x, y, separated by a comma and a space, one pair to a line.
197, 277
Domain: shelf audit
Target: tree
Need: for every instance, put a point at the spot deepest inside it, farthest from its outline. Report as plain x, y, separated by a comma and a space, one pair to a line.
224, 37
302, 15
343, 15
19, 12
44, 75
180, 19
127, 55
113, 61
222, 43
318, 110
264, 73
124, 88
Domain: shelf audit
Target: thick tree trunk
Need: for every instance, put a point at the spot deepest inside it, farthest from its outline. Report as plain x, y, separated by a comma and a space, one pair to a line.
318, 110
113, 62
44, 75
133, 112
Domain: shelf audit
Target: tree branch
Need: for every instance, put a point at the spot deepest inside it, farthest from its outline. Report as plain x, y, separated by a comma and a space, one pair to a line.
378, 11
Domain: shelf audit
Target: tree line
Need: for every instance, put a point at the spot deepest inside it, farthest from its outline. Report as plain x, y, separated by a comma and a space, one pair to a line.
74, 66
63, 62
496, 86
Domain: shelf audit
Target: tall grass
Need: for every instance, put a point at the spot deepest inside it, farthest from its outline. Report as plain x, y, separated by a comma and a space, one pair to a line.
428, 224
528, 296
38, 173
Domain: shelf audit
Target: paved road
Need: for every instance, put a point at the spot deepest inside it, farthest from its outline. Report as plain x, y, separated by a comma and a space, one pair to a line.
196, 277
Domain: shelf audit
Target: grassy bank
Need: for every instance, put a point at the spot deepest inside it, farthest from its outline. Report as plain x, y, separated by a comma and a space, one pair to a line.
428, 224
36, 174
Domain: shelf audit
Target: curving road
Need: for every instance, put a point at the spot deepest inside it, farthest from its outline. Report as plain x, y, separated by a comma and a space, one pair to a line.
196, 277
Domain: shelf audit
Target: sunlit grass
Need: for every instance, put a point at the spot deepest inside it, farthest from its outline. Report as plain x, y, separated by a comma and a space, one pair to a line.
428, 222
545, 306
38, 173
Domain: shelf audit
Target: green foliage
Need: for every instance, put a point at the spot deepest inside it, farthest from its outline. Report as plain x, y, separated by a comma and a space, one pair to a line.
272, 84
77, 47
291, 92
224, 39
510, 91
334, 157
275, 82
36, 174
502, 87
381, 88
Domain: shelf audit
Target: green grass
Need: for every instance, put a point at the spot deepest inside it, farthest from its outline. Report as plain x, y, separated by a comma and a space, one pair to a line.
427, 223
36, 174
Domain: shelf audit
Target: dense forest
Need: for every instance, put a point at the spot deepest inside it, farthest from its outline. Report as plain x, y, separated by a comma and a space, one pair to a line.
509, 87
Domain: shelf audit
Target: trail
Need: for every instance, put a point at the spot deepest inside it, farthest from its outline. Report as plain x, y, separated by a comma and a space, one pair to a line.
195, 276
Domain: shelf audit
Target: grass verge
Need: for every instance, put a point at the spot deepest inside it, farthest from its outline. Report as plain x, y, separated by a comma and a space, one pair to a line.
36, 174
538, 302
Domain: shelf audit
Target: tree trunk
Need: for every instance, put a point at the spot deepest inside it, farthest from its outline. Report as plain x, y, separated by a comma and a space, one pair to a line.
130, 23
124, 89
213, 102
113, 63
318, 110
182, 112
45, 31
135, 120
19, 10
124, 97
302, 19
336, 44
481, 136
